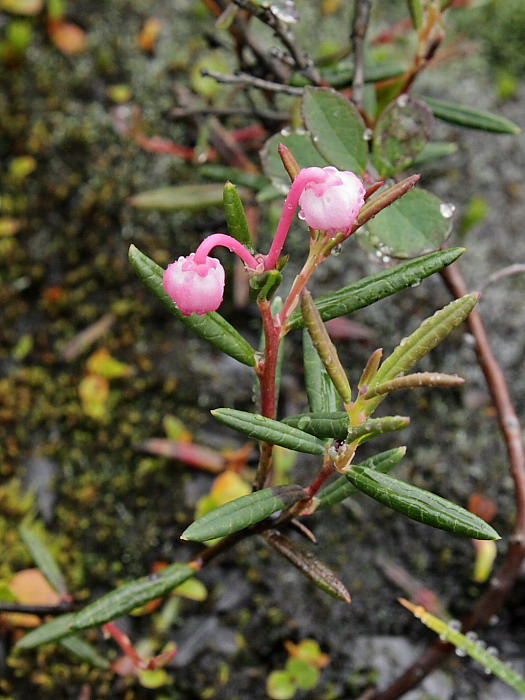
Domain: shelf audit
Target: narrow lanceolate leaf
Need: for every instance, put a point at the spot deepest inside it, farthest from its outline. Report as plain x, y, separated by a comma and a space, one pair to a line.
235, 217
212, 326
132, 595
43, 558
52, 631
336, 127
336, 425
485, 656
469, 117
236, 176
313, 568
431, 332
420, 505
324, 346
341, 488
195, 197
375, 287
243, 512
268, 430
433, 151
322, 396
414, 381
84, 651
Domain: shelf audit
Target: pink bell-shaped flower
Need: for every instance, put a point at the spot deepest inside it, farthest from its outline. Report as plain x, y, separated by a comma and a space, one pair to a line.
195, 287
333, 205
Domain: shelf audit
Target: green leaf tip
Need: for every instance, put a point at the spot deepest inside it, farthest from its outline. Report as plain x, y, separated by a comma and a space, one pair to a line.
420, 505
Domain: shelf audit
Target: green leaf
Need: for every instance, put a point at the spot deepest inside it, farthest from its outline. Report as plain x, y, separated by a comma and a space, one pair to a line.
470, 117
420, 505
131, 595
225, 173
268, 430
306, 676
281, 685
243, 512
336, 425
415, 8
212, 326
371, 289
341, 488
324, 347
49, 632
415, 224
322, 396
235, 216
433, 151
84, 651
336, 127
43, 558
400, 133
429, 334
342, 74
303, 149
193, 197
308, 564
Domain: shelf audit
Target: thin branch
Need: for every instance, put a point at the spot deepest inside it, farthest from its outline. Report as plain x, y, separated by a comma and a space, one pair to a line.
265, 114
504, 578
302, 60
509, 271
246, 80
360, 25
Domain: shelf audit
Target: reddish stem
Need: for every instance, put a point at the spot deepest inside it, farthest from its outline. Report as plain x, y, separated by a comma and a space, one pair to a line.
221, 239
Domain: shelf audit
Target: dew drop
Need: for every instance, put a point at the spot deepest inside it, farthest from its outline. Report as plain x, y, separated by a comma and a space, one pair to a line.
487, 671
336, 250
492, 651
301, 216
460, 652
367, 134
285, 10
447, 210
286, 131
416, 283
472, 636
385, 258
402, 344
493, 620
453, 624
402, 100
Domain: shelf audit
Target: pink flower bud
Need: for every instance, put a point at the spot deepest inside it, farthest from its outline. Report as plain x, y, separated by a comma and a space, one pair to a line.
195, 287
332, 205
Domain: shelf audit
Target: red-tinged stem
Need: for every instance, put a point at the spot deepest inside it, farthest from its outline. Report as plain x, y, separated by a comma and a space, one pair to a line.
125, 644
314, 259
303, 178
221, 239
326, 472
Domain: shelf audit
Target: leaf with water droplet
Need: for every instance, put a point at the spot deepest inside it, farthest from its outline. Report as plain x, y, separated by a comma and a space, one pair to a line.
401, 132
410, 226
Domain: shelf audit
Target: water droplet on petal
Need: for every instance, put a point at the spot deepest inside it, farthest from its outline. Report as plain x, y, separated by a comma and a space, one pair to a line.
301, 216
447, 210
